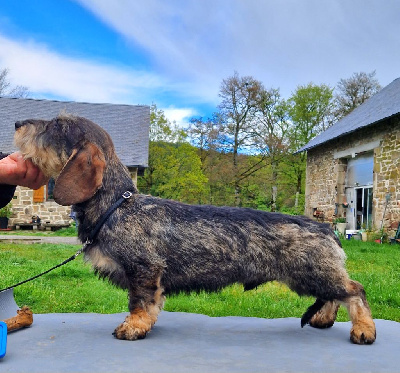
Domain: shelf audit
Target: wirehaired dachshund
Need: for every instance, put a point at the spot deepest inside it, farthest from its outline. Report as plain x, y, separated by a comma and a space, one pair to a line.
154, 247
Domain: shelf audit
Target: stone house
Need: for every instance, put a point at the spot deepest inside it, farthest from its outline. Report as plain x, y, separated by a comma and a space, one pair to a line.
353, 168
128, 126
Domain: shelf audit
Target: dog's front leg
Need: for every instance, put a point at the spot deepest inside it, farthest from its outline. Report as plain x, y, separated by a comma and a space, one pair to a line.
146, 300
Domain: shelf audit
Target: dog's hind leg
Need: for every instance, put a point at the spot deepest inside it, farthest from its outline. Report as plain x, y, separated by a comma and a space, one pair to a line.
363, 330
311, 311
146, 300
326, 316
323, 314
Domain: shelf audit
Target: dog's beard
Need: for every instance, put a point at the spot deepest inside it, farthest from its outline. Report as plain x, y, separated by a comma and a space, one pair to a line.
44, 157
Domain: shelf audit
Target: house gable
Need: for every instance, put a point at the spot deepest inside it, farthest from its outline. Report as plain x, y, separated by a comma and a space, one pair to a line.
383, 105
128, 125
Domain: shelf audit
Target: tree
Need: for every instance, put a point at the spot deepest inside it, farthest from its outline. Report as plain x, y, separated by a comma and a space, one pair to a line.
174, 170
239, 104
7, 90
272, 129
352, 92
205, 135
310, 108
161, 129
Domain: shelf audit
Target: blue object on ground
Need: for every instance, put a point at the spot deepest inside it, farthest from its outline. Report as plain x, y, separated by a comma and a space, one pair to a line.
3, 339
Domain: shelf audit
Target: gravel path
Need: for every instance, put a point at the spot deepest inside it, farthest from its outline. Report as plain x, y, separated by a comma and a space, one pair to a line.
39, 239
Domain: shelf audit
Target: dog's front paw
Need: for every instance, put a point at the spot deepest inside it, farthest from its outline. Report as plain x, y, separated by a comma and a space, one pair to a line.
135, 326
129, 332
363, 333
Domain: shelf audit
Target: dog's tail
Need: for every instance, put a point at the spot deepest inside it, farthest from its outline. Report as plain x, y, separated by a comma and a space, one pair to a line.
311, 311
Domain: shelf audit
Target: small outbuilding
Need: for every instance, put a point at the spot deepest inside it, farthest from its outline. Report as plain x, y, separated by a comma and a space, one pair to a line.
353, 168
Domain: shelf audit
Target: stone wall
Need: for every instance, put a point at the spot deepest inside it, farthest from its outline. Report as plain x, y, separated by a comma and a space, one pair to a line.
326, 172
24, 209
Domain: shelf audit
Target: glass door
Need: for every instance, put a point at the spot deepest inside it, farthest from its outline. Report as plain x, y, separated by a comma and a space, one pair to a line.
363, 207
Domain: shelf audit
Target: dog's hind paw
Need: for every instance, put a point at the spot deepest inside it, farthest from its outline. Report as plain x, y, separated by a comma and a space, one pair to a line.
136, 326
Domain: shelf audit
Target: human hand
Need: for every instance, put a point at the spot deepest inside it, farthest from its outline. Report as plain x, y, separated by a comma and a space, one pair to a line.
14, 170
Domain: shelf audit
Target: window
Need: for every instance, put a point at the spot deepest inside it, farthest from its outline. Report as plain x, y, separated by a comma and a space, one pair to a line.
50, 189
38, 195
360, 170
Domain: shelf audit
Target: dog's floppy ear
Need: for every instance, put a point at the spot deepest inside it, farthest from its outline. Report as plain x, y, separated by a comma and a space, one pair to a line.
81, 177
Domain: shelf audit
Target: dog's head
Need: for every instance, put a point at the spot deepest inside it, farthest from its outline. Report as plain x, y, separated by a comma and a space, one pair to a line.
72, 150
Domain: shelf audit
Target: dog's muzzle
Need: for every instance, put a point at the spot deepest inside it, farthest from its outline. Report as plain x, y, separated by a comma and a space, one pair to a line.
19, 124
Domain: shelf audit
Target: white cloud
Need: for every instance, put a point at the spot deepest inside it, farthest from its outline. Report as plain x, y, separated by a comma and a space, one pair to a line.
188, 41
46, 72
180, 116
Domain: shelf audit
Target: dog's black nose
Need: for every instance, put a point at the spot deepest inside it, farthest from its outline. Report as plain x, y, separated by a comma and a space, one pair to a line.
18, 124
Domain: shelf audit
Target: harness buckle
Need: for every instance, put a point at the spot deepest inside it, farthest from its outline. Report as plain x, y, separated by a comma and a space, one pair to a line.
127, 194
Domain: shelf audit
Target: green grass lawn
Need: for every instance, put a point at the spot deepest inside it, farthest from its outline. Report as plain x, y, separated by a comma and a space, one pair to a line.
74, 288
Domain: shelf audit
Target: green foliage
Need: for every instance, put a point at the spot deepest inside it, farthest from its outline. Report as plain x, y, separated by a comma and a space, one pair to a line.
175, 173
254, 196
310, 109
71, 288
175, 169
6, 211
161, 129
63, 232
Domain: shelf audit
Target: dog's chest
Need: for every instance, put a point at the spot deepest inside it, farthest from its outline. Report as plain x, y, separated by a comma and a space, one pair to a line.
100, 262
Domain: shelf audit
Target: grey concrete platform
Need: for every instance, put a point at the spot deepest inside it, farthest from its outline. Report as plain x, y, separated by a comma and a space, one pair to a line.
182, 342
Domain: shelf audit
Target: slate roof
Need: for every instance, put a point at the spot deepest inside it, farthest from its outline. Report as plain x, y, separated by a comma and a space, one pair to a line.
381, 106
128, 125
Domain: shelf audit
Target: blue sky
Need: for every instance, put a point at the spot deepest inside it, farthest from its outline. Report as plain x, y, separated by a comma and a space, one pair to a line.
175, 53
